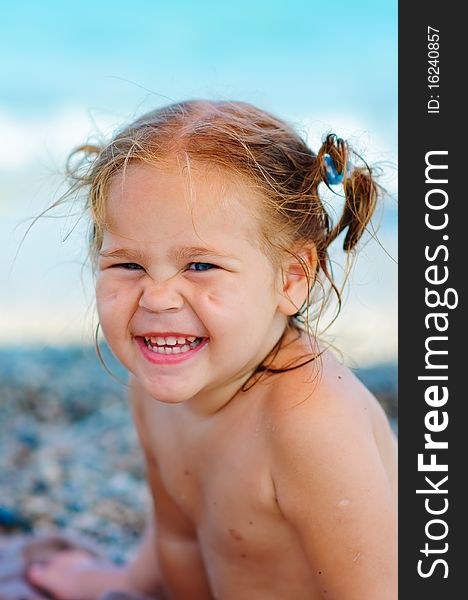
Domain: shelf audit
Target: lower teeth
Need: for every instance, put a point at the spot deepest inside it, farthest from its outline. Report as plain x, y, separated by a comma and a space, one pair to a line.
174, 349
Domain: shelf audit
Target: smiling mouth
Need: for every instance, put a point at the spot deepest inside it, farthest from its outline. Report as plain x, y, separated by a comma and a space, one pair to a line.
171, 345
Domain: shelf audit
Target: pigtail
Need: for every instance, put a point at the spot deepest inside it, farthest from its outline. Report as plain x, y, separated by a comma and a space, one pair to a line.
360, 190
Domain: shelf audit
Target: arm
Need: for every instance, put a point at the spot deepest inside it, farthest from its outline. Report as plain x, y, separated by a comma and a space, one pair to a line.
143, 572
332, 487
170, 556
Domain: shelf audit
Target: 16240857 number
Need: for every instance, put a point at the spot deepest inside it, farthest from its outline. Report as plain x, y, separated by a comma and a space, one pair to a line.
433, 57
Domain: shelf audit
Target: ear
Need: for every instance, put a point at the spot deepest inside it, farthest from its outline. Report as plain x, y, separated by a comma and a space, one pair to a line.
295, 287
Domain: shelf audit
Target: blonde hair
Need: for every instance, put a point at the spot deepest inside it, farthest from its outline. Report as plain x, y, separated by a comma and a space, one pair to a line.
242, 139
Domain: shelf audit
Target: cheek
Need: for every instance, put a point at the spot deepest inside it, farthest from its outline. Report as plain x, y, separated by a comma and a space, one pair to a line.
238, 300
114, 299
226, 296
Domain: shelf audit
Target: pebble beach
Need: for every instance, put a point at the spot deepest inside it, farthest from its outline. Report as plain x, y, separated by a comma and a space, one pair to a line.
69, 456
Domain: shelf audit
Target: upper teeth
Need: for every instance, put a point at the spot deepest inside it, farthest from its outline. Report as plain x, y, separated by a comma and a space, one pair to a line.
171, 340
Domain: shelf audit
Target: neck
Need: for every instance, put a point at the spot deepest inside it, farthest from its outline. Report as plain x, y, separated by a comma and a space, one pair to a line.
212, 401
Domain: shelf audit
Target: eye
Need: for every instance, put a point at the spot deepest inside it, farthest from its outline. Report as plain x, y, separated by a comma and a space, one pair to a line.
128, 266
202, 266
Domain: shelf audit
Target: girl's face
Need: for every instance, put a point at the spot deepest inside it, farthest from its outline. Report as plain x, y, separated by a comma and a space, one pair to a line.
179, 261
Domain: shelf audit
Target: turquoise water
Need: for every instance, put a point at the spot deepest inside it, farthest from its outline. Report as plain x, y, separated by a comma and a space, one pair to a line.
69, 70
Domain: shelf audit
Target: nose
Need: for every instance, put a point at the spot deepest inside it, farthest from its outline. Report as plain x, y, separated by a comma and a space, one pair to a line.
160, 296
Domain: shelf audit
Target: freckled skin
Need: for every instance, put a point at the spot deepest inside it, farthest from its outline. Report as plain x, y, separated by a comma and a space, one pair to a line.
287, 490
236, 535
149, 211
233, 484
246, 485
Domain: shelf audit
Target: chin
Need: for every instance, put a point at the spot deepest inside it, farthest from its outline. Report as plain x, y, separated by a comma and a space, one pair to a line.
169, 393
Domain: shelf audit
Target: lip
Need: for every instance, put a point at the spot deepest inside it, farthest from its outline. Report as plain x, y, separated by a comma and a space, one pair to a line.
168, 359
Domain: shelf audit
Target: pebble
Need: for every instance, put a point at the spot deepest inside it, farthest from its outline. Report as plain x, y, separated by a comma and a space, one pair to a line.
70, 457
11, 519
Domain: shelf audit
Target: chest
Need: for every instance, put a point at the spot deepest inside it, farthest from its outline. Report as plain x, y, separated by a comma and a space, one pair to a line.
217, 474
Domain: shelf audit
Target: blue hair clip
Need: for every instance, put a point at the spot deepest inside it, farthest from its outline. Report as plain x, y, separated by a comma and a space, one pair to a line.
332, 175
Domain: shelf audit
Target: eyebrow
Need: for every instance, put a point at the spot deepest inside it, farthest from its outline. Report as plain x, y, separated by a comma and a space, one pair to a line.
182, 252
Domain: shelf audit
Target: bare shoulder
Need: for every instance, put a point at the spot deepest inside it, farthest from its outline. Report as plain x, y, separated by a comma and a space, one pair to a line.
324, 391
333, 480
322, 415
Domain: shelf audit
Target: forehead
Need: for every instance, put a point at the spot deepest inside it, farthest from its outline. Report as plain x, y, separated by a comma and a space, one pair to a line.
152, 204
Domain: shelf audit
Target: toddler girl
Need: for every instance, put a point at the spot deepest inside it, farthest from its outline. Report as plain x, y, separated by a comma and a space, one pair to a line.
272, 468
